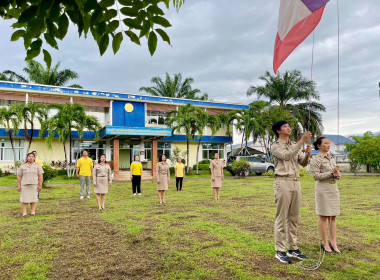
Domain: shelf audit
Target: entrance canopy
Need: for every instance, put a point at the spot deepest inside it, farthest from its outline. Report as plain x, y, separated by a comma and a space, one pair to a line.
112, 131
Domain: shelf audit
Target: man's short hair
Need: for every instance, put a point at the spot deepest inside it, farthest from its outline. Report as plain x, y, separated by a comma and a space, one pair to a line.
277, 126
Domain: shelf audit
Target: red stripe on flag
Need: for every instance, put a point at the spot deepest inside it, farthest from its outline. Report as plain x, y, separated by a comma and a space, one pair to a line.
282, 49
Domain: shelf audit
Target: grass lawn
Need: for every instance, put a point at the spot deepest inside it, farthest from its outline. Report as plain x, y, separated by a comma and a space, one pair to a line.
191, 237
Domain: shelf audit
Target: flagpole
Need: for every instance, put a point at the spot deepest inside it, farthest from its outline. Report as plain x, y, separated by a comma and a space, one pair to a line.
337, 7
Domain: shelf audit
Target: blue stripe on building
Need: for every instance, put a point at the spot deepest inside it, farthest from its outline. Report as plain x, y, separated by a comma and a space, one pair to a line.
205, 139
115, 96
135, 131
86, 134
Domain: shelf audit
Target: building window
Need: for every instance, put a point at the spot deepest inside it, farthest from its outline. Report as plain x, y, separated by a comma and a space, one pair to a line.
156, 117
94, 149
148, 150
6, 152
8, 103
164, 149
209, 151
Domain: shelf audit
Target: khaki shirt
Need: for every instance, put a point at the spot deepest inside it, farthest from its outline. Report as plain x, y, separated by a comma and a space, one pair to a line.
287, 158
163, 169
29, 173
217, 167
322, 167
102, 171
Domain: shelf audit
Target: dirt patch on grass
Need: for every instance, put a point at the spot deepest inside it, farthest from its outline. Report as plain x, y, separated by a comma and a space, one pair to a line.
95, 249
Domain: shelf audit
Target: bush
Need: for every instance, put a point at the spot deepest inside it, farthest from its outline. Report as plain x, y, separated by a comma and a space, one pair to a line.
49, 173
205, 161
202, 166
270, 173
1, 172
62, 172
241, 167
172, 171
229, 169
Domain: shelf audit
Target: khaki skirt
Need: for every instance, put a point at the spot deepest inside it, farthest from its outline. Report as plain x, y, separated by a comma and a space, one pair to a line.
101, 185
327, 199
29, 193
217, 183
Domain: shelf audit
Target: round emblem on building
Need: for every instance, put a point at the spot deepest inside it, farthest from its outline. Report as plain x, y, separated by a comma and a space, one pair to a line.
128, 107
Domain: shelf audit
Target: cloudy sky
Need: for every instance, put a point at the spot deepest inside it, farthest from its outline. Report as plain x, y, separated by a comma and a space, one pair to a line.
226, 45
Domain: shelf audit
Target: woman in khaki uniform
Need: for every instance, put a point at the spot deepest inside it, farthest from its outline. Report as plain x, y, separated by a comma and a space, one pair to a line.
217, 175
326, 172
163, 178
102, 177
29, 183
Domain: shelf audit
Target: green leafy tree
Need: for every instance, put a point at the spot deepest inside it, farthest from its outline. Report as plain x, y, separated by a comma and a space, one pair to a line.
228, 120
295, 93
11, 76
204, 120
184, 120
46, 76
11, 118
367, 151
30, 113
70, 117
174, 87
42, 22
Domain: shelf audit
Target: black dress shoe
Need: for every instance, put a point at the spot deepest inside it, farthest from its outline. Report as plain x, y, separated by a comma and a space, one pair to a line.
323, 248
335, 251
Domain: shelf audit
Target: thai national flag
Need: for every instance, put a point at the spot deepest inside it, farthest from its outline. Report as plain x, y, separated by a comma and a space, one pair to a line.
296, 20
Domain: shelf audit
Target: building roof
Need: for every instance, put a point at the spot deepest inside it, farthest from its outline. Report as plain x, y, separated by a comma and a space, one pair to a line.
338, 139
55, 90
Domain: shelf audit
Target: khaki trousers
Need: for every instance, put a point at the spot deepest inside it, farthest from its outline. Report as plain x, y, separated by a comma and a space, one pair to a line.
288, 199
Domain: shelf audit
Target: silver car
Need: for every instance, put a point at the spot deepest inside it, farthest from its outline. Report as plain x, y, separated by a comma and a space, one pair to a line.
258, 165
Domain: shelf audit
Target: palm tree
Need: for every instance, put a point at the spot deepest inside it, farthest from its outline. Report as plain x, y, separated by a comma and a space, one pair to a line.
174, 88
69, 117
184, 121
30, 112
45, 76
245, 124
10, 118
293, 92
203, 120
228, 120
11, 76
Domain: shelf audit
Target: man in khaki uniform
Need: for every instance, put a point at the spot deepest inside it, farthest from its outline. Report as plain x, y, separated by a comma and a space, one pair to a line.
287, 189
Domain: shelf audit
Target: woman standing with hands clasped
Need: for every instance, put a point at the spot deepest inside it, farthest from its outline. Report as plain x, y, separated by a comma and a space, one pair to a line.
217, 176
326, 172
102, 178
29, 183
163, 178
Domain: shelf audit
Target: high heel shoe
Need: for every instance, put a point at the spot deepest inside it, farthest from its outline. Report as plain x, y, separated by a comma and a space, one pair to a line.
324, 249
335, 251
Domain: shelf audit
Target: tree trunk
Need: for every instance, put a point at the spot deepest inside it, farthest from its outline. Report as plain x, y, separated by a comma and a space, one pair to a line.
30, 137
14, 150
241, 147
70, 156
199, 143
188, 148
229, 135
67, 165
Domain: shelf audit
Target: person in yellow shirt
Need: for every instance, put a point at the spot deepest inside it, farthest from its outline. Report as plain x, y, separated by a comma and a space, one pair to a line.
84, 173
136, 175
179, 169
37, 160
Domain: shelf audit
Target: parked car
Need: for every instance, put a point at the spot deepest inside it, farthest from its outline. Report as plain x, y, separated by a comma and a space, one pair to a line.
258, 165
